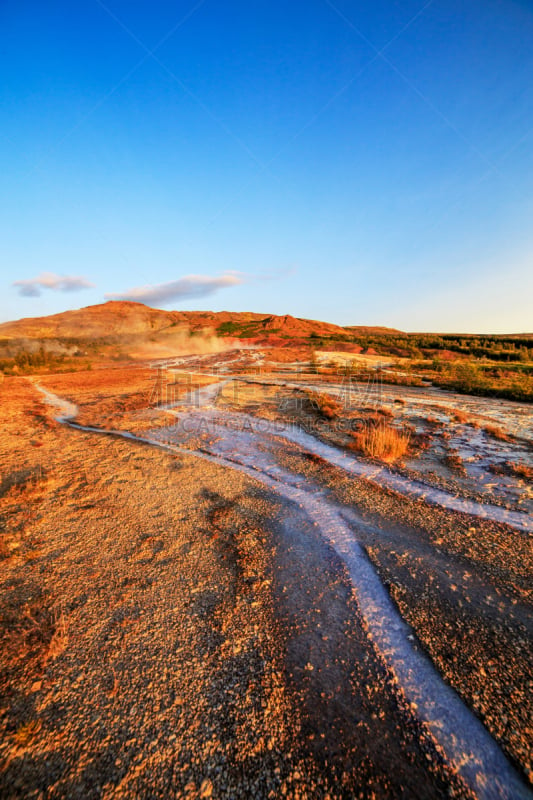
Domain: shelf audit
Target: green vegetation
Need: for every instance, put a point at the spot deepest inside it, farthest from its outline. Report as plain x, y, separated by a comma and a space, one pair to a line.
514, 382
491, 366
484, 365
21, 360
229, 328
245, 330
420, 345
25, 361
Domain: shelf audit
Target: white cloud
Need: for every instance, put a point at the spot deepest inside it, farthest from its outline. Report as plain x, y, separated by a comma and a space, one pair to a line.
190, 286
49, 280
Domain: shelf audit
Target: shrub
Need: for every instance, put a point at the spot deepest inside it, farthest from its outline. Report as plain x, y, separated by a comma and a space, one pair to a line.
380, 440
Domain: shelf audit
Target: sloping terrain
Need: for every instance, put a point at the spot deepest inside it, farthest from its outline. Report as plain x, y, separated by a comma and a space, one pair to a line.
113, 318
118, 318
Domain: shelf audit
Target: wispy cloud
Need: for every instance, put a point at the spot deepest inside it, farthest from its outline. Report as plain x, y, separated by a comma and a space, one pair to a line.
49, 280
190, 286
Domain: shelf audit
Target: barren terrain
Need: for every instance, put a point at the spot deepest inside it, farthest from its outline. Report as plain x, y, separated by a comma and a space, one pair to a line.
210, 590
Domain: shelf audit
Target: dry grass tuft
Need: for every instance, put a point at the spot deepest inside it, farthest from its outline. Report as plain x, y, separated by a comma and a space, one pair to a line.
325, 405
22, 480
26, 732
514, 468
460, 416
316, 459
497, 433
420, 442
380, 440
5, 551
33, 630
454, 462
521, 470
59, 640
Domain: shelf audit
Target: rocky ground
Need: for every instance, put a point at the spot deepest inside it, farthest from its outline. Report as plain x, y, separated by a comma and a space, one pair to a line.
171, 629
464, 585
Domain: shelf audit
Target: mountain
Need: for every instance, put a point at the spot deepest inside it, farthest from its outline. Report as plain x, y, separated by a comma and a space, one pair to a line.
115, 318
126, 318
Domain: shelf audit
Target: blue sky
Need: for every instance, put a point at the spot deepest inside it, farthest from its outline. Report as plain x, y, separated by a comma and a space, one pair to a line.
361, 163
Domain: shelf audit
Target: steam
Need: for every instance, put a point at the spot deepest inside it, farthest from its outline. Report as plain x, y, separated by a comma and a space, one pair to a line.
161, 344
13, 347
179, 342
49, 280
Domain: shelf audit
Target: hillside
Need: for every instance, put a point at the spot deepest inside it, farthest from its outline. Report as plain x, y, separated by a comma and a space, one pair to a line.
120, 318
107, 319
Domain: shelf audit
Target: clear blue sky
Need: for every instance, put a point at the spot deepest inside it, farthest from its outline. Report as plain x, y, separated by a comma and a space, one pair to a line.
362, 163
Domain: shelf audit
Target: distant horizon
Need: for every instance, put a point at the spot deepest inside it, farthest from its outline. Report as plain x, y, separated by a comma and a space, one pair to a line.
287, 313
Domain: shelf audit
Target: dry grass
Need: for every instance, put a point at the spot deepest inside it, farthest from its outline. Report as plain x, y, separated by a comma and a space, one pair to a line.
26, 732
16, 482
420, 442
463, 418
497, 433
59, 639
325, 405
514, 468
382, 441
460, 416
521, 470
454, 462
33, 632
5, 551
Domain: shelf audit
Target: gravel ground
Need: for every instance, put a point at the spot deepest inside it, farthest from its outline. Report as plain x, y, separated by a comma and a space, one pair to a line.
170, 629
464, 585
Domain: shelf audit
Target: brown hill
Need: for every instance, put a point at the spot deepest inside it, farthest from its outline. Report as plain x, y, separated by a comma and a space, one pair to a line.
292, 326
115, 318
126, 318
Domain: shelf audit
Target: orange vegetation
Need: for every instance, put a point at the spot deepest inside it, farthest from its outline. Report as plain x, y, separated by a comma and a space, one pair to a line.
380, 440
498, 433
